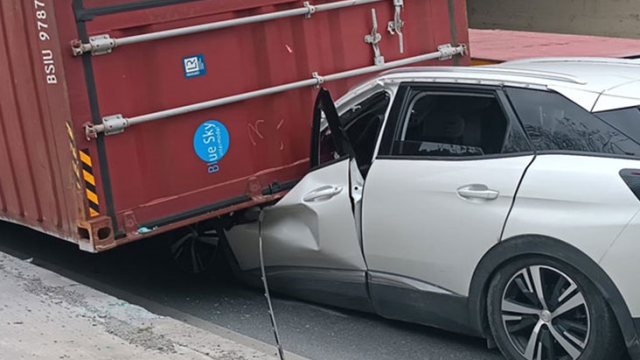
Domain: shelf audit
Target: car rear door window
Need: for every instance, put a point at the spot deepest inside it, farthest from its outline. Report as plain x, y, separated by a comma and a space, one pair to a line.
553, 122
456, 124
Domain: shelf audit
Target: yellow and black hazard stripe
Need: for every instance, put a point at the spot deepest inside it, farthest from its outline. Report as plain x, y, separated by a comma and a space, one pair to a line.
74, 154
89, 183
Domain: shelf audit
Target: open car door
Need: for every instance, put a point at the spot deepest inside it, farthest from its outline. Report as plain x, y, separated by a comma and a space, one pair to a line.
310, 239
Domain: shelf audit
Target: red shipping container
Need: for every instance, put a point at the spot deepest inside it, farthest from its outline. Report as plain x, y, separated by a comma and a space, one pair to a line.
82, 159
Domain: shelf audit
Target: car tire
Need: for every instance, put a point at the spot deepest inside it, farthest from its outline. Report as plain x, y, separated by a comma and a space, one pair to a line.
567, 319
194, 249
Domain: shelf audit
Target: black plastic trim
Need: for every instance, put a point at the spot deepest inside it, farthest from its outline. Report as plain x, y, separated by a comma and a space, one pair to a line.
83, 14
336, 287
196, 212
631, 177
452, 158
314, 151
436, 309
276, 187
381, 277
391, 127
270, 190
96, 119
528, 245
338, 133
584, 153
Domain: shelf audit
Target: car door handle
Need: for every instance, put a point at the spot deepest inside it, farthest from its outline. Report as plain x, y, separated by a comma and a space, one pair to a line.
323, 193
478, 192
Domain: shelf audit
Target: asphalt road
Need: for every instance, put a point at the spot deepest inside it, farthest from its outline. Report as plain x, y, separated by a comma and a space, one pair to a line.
313, 331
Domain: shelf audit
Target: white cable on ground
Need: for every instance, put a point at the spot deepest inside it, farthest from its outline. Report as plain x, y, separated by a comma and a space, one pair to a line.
266, 288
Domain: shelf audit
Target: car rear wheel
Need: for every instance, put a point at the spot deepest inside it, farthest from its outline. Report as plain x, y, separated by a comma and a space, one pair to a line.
542, 309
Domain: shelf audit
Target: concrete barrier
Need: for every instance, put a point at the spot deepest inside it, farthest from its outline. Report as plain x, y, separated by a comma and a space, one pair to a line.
616, 18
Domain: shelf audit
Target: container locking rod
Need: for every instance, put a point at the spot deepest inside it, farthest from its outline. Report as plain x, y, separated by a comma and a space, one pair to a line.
116, 124
103, 44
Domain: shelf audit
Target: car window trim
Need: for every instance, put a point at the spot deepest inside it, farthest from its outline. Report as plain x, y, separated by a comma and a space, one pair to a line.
587, 153
453, 158
596, 113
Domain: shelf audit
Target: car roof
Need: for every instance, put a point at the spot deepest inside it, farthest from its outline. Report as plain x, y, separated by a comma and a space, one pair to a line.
596, 84
599, 74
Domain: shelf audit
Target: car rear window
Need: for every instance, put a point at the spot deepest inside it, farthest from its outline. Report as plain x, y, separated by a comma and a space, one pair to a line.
627, 121
554, 122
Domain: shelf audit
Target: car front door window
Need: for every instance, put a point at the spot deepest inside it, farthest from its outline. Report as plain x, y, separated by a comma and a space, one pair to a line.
456, 124
362, 124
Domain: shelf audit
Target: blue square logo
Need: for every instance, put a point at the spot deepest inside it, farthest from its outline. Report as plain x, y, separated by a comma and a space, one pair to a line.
194, 66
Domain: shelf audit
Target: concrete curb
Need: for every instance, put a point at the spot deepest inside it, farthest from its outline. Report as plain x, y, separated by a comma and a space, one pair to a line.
46, 316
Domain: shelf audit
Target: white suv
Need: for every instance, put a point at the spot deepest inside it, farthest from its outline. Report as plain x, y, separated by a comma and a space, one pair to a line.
498, 201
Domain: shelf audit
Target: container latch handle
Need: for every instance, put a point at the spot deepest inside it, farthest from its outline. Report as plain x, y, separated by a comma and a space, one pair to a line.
397, 24
374, 39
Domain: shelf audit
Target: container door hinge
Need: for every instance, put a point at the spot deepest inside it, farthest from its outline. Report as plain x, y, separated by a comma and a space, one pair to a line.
98, 45
448, 52
111, 125
397, 24
310, 8
374, 39
114, 124
318, 78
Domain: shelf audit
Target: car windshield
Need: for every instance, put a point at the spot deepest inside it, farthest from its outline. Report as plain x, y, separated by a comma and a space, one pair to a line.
627, 121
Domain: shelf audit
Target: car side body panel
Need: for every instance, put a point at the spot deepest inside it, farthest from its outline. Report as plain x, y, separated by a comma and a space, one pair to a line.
317, 233
416, 225
622, 262
581, 200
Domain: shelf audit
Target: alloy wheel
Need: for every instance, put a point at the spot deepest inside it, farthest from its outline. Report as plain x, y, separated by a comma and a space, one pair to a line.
196, 250
545, 314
